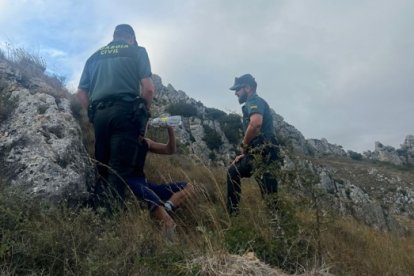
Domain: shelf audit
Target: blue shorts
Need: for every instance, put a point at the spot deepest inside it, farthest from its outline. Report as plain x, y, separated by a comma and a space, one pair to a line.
154, 194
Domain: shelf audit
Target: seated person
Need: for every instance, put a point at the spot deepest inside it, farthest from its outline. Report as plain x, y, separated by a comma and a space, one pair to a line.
161, 198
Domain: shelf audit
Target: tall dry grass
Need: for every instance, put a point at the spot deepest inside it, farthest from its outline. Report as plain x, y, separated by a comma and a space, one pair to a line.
356, 249
83, 242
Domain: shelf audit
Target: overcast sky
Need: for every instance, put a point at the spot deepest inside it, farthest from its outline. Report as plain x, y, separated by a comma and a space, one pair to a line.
340, 70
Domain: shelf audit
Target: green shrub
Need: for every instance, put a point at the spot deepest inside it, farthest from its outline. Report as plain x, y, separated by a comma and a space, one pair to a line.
214, 114
212, 156
212, 138
7, 105
30, 65
285, 246
354, 155
232, 127
182, 109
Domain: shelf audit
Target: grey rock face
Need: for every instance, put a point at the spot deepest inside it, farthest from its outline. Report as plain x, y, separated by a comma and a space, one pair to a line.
349, 199
192, 131
402, 156
323, 147
41, 150
289, 134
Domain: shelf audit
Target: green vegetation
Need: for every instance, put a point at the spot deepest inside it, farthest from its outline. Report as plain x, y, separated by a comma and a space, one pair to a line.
212, 138
354, 155
214, 114
282, 232
232, 127
32, 67
7, 104
182, 109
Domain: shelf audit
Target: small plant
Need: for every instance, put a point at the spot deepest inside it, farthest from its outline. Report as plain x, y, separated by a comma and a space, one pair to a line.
7, 105
215, 114
182, 109
355, 155
212, 138
232, 127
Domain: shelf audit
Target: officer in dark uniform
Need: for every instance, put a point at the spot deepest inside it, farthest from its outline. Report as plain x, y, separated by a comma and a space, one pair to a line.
259, 144
117, 89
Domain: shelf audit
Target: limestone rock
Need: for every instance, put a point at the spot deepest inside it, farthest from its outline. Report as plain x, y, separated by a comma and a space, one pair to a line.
41, 150
323, 147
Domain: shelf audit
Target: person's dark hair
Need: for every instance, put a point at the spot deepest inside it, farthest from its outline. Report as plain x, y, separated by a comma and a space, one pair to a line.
253, 85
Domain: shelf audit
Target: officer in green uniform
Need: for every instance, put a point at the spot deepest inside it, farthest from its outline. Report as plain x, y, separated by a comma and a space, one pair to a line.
117, 89
259, 141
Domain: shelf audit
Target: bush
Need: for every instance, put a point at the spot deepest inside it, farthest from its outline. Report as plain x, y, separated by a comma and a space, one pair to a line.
284, 246
7, 105
354, 155
28, 64
182, 109
32, 68
232, 127
212, 138
215, 114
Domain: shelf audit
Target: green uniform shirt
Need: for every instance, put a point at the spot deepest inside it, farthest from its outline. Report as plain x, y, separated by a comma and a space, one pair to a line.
255, 104
115, 70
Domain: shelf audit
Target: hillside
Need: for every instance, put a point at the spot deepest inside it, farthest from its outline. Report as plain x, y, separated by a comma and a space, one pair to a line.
335, 211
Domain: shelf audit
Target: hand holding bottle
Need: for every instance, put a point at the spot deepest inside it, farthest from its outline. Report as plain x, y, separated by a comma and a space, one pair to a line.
166, 121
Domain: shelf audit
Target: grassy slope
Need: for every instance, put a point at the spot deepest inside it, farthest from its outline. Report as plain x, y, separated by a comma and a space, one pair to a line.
75, 242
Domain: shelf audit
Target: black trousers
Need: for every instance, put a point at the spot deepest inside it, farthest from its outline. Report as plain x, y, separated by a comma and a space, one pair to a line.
117, 150
245, 167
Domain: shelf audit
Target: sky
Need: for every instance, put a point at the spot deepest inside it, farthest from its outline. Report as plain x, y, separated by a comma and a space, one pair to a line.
340, 70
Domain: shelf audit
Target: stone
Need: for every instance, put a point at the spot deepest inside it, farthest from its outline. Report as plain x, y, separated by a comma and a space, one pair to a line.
41, 151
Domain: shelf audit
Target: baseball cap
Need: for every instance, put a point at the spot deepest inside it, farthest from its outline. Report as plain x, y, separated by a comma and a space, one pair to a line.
242, 81
125, 29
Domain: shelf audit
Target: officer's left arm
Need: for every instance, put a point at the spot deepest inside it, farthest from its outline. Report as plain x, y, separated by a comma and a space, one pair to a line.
253, 129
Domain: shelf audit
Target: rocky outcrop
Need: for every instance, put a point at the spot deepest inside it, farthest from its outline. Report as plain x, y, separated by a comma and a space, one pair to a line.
192, 132
402, 156
289, 135
323, 147
348, 195
348, 198
41, 149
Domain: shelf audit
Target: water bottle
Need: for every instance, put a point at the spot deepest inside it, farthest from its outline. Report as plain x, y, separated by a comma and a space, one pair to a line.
166, 121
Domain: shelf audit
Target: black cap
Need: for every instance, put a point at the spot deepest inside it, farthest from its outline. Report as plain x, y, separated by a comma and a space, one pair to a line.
241, 81
124, 29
